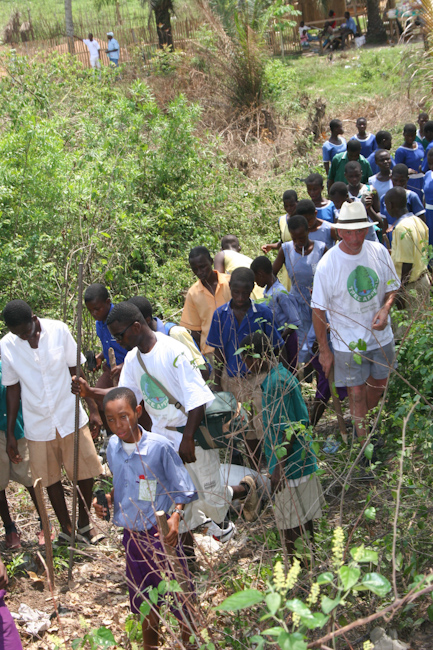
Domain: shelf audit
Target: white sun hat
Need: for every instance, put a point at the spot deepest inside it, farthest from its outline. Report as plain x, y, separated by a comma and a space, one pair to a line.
353, 216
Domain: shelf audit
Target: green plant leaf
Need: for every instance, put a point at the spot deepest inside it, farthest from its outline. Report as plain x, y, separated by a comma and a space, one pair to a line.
259, 641
325, 578
103, 637
376, 583
78, 643
328, 605
349, 576
145, 608
294, 641
357, 358
370, 513
368, 451
352, 346
298, 607
273, 631
241, 600
362, 345
362, 554
273, 602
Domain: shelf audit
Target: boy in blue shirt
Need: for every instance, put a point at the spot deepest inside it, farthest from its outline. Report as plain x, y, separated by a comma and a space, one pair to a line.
282, 304
383, 141
400, 177
367, 140
13, 471
411, 154
335, 144
98, 303
230, 324
297, 490
148, 476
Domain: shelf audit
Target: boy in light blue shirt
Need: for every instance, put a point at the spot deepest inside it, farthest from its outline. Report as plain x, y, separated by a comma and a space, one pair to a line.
113, 50
148, 476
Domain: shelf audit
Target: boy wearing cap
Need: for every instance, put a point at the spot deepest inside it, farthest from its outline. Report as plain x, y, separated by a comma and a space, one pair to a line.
357, 304
113, 49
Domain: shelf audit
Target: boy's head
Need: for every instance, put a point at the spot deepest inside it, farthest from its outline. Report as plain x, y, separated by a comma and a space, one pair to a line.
382, 158
422, 119
331, 13
201, 263
97, 301
384, 140
346, 15
353, 150
258, 351
353, 173
409, 134
230, 243
20, 319
301, 24
396, 202
307, 209
290, 199
428, 130
314, 183
122, 413
298, 228
262, 269
126, 324
241, 285
143, 304
336, 127
361, 125
338, 194
90, 37
400, 175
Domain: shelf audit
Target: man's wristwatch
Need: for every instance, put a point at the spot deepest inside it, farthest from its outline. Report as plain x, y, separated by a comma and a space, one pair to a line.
180, 512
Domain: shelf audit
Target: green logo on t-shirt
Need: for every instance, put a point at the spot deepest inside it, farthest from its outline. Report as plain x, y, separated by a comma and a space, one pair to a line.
152, 394
362, 284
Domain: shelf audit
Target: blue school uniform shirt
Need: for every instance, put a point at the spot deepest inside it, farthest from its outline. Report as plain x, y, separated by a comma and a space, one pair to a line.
327, 212
414, 205
350, 24
283, 406
329, 150
153, 459
374, 168
283, 305
425, 166
412, 158
324, 234
226, 334
108, 341
19, 425
368, 146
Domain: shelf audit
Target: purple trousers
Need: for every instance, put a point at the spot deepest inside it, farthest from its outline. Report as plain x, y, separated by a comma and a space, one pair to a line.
146, 561
291, 345
323, 392
9, 637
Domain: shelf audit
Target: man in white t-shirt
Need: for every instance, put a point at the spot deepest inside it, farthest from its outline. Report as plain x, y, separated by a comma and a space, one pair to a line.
355, 286
153, 355
38, 358
94, 51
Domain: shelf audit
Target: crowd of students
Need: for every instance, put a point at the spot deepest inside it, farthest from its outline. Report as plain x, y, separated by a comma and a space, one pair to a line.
343, 261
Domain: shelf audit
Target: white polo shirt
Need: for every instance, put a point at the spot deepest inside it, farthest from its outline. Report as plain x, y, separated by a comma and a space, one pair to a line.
93, 47
45, 380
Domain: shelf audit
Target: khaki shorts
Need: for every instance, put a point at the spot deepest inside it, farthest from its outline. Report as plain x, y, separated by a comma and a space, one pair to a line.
20, 473
248, 390
295, 506
48, 456
376, 363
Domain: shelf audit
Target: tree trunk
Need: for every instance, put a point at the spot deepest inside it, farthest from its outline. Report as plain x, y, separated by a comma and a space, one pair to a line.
69, 26
163, 26
118, 15
376, 32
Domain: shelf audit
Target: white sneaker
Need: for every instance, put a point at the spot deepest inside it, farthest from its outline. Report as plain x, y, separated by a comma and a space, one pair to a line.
224, 534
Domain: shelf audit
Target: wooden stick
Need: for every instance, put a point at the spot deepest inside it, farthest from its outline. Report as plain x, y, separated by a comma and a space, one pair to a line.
161, 520
113, 364
47, 532
337, 406
77, 423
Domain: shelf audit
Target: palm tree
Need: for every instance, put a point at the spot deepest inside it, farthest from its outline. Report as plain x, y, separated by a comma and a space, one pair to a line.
69, 26
376, 32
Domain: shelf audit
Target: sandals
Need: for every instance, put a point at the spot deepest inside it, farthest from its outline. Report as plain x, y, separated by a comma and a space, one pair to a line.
96, 539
